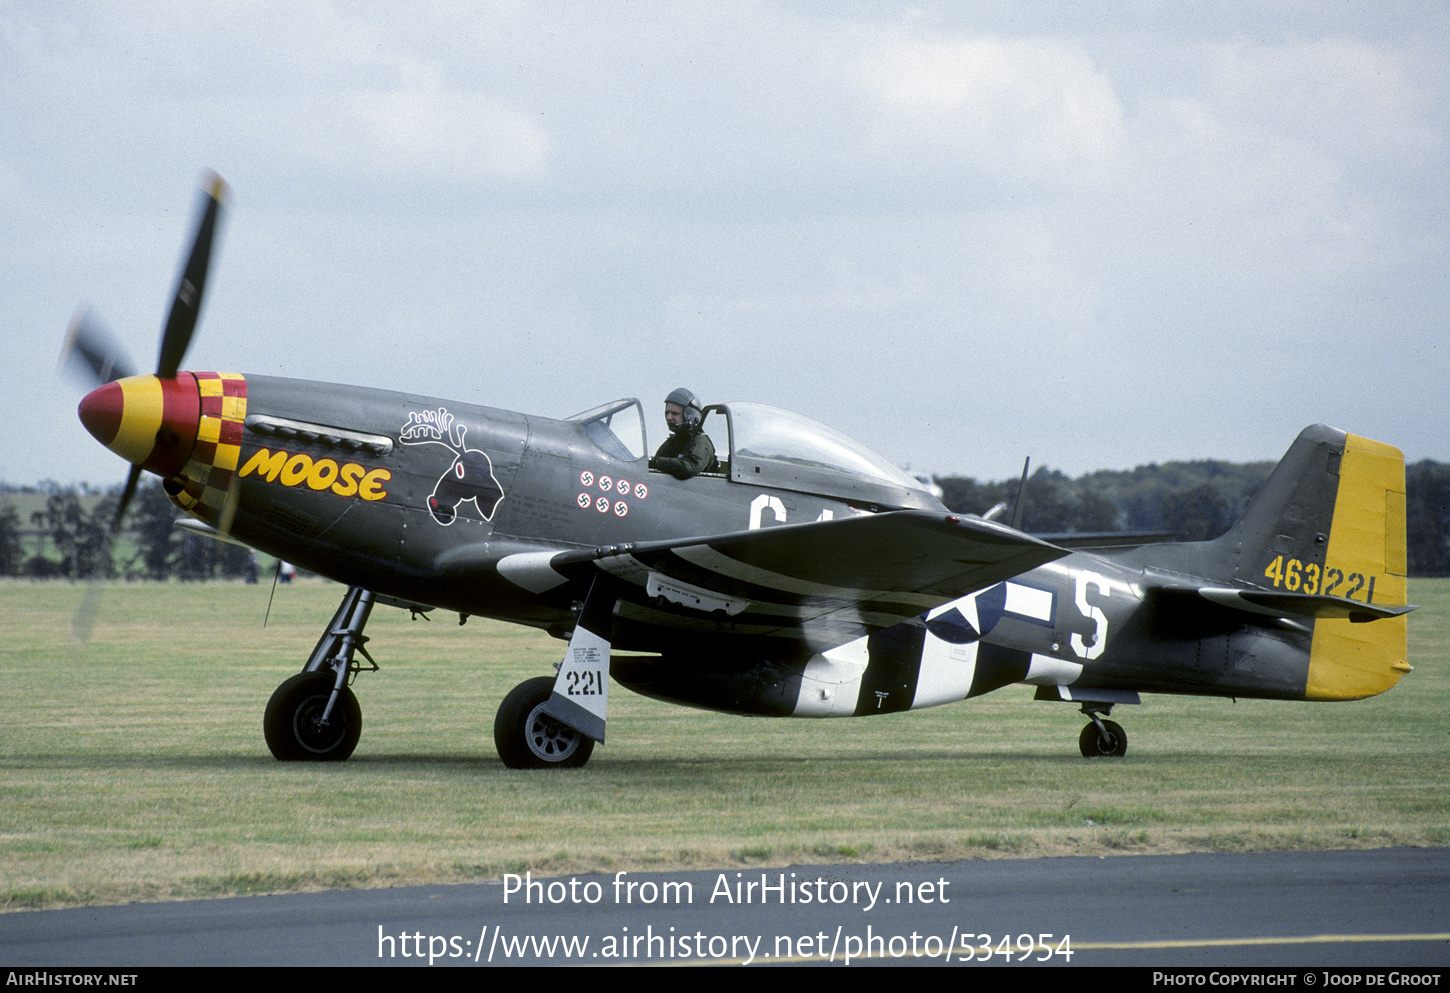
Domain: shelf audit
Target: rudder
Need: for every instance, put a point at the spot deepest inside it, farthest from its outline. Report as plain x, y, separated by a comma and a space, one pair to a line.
1349, 661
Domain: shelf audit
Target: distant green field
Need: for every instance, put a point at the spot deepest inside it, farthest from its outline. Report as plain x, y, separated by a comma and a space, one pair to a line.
136, 770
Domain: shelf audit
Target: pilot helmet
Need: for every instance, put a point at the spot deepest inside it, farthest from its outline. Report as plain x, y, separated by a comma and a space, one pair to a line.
691, 405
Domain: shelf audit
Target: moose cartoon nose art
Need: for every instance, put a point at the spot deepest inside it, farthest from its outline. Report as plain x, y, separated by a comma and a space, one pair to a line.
470, 477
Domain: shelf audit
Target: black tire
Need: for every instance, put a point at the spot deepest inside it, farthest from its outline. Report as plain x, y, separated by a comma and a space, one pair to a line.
1094, 744
527, 738
291, 722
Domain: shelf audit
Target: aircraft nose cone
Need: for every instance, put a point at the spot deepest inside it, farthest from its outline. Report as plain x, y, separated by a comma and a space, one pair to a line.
100, 412
148, 421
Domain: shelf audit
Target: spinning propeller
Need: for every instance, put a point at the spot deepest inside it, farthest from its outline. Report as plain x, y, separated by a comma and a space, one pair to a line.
147, 419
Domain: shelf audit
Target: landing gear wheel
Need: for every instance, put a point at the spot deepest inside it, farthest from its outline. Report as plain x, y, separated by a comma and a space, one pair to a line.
527, 738
293, 722
1095, 744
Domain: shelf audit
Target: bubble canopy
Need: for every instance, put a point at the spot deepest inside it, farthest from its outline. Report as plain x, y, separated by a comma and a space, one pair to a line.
773, 447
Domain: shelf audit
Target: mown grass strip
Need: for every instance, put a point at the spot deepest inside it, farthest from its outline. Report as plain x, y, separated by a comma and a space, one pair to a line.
136, 770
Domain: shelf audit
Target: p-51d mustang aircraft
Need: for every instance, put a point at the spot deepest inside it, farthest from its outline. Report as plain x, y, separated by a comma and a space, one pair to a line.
807, 577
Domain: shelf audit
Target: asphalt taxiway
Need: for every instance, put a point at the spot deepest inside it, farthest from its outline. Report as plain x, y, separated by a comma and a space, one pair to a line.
1387, 907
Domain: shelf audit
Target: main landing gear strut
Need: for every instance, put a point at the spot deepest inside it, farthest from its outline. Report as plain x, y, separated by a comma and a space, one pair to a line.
314, 716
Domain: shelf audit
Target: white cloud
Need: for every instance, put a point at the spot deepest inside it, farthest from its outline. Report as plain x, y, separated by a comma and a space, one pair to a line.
1344, 97
418, 131
1033, 109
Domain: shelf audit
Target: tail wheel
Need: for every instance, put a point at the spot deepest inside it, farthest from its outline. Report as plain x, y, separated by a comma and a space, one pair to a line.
528, 738
1109, 741
294, 727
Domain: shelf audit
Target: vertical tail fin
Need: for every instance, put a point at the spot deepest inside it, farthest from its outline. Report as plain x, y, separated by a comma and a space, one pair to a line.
1330, 523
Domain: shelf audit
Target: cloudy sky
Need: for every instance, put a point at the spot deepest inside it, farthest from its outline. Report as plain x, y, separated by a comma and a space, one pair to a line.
962, 233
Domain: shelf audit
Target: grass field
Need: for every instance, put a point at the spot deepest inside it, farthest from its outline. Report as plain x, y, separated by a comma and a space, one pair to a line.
135, 769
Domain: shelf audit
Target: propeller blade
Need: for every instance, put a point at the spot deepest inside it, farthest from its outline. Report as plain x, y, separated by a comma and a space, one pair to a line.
186, 306
132, 478
92, 354
228, 511
84, 621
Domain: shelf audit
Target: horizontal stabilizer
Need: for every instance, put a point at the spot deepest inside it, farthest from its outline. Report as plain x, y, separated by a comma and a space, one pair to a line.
1109, 539
1279, 604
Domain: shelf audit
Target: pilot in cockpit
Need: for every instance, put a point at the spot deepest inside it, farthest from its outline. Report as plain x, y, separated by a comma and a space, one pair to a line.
688, 450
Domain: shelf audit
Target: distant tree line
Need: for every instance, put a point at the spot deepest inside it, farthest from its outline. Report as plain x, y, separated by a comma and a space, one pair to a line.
1195, 500
54, 532
50, 531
